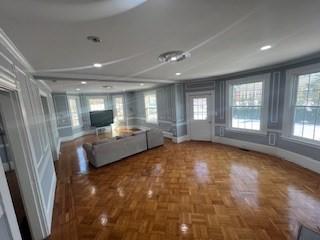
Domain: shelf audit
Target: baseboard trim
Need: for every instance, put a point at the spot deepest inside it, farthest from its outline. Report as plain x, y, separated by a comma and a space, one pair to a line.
181, 139
167, 134
7, 166
303, 161
51, 201
58, 149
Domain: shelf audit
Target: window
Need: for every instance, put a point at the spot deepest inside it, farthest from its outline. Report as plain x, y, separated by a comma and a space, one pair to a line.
73, 108
150, 101
96, 104
200, 109
118, 105
247, 102
306, 113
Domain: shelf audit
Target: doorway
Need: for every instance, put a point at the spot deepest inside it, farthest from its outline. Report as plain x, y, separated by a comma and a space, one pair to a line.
46, 111
200, 118
7, 161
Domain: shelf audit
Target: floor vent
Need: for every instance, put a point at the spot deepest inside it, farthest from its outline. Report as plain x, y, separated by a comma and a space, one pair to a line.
243, 149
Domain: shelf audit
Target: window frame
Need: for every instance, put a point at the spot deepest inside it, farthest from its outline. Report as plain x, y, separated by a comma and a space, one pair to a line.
97, 97
265, 79
77, 101
145, 107
115, 107
291, 88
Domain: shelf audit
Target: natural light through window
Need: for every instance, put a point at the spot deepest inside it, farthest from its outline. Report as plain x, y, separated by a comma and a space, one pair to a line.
246, 105
96, 104
307, 107
200, 108
150, 101
119, 113
74, 112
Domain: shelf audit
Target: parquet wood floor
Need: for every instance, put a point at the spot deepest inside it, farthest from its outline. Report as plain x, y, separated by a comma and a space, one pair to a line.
192, 190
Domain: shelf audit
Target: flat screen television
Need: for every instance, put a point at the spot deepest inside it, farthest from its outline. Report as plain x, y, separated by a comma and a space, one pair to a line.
101, 118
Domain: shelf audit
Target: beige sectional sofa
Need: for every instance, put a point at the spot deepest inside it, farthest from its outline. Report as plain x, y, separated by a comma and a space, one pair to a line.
110, 150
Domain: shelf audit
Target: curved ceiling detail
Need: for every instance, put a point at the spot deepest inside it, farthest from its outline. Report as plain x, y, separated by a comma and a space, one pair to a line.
70, 10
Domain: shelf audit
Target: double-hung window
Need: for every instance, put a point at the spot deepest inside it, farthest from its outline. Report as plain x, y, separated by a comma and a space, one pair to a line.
247, 103
74, 111
119, 108
96, 104
304, 115
150, 102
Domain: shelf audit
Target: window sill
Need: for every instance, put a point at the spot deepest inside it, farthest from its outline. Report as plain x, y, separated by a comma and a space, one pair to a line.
302, 141
245, 131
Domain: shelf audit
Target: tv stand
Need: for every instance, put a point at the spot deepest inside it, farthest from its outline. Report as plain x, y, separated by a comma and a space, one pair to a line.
103, 129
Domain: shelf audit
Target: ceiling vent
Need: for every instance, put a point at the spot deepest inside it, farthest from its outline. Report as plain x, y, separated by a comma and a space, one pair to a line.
173, 56
94, 39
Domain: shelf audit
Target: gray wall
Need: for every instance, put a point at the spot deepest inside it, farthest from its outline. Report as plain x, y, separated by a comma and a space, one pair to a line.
275, 111
63, 115
170, 107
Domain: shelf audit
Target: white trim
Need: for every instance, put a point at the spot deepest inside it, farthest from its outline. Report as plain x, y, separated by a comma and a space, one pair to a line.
76, 135
181, 139
296, 158
265, 78
58, 148
275, 119
51, 200
167, 134
10, 46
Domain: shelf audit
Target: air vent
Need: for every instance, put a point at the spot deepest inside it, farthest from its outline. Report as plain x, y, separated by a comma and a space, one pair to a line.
94, 39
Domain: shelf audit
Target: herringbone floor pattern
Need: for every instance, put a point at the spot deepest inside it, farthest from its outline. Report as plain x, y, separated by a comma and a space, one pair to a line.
193, 190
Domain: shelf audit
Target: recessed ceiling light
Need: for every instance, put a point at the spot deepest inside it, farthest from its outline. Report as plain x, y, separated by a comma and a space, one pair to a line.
97, 65
178, 74
78, 89
141, 84
83, 82
267, 47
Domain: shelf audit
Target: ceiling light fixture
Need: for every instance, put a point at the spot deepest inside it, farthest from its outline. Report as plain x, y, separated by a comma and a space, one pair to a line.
267, 47
97, 65
173, 56
83, 82
178, 74
78, 89
141, 84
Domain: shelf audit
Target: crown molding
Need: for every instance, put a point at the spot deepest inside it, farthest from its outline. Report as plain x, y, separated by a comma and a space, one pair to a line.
94, 77
10, 46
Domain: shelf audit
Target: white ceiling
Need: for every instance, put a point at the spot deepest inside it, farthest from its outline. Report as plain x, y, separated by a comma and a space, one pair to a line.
223, 36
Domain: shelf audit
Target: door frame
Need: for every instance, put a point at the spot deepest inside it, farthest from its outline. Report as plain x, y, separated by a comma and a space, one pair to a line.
6, 208
25, 164
211, 112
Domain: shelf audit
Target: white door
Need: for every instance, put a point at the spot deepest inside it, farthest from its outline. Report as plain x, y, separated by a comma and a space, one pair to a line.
8, 222
200, 108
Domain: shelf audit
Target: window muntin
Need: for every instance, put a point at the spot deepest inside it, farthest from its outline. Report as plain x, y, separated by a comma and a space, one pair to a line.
150, 101
246, 105
119, 112
96, 104
73, 108
306, 114
200, 108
